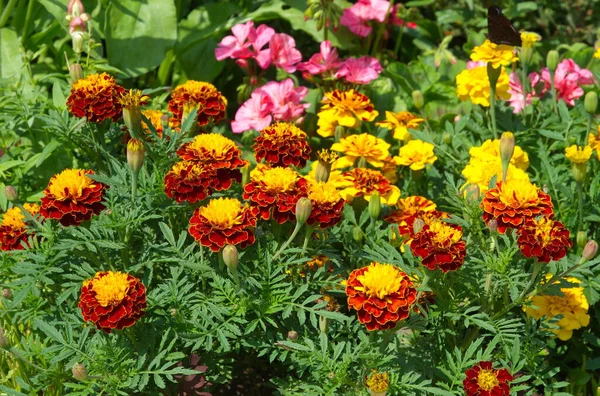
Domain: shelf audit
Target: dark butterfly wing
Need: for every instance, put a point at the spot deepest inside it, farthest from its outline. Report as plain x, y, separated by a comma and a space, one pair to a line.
500, 30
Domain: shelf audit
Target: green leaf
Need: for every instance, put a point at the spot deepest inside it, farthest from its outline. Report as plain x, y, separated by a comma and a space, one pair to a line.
139, 34
10, 54
58, 96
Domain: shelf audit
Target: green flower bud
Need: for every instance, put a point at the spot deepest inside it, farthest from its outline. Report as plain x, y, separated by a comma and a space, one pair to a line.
493, 74
6, 293
11, 193
323, 324
303, 209
589, 251
446, 138
552, 60
591, 102
582, 239
292, 335
507, 149
579, 171
473, 193
418, 226
231, 257
79, 372
75, 72
357, 234
136, 152
375, 205
418, 100
492, 225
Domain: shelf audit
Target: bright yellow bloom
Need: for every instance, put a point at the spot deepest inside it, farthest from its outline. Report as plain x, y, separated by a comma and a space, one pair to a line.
594, 143
400, 123
223, 212
323, 193
346, 108
577, 154
572, 305
133, 99
487, 380
416, 154
373, 149
380, 280
529, 39
474, 84
597, 53
490, 147
212, 144
275, 180
378, 382
496, 54
518, 193
14, 217
156, 119
69, 184
444, 232
110, 289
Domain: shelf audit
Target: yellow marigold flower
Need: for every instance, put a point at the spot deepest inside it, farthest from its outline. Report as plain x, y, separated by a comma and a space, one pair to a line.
496, 54
474, 84
156, 119
363, 182
378, 382
480, 172
416, 154
529, 39
491, 148
347, 108
400, 123
594, 143
572, 305
577, 154
597, 53
389, 169
373, 149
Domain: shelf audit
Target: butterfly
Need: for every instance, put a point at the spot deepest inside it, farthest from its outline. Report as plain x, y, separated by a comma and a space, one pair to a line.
500, 30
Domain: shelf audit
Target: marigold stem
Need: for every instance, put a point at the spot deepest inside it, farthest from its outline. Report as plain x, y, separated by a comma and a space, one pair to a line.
493, 110
134, 182
580, 204
589, 129
290, 239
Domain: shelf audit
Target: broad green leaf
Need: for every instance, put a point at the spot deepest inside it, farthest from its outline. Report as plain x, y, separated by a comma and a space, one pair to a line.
10, 54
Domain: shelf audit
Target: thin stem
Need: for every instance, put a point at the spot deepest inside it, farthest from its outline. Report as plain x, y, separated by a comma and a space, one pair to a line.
554, 98
134, 183
398, 42
290, 239
7, 12
580, 201
325, 33
27, 23
524, 89
536, 269
307, 235
589, 129
493, 110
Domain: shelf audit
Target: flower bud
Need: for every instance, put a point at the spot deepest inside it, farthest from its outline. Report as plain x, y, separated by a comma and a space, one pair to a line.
292, 335
418, 226
11, 193
173, 312
446, 138
582, 239
230, 257
507, 149
75, 8
6, 293
375, 205
591, 102
322, 172
492, 225
493, 74
323, 324
339, 133
303, 209
77, 38
79, 372
418, 100
579, 171
75, 72
552, 60
472, 193
589, 251
135, 154
357, 234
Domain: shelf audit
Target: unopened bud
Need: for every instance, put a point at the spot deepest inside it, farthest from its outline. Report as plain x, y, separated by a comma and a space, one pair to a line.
75, 8
579, 171
507, 149
493, 74
362, 162
582, 239
545, 188
591, 102
322, 172
446, 138
135, 154
77, 38
473, 193
231, 257
589, 251
357, 234
418, 225
75, 72
339, 133
11, 193
292, 335
418, 100
303, 209
492, 225
173, 312
6, 293
552, 60
375, 205
79, 372
323, 324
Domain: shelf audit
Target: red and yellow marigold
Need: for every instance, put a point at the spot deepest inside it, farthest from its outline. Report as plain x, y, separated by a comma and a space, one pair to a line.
192, 181
483, 380
13, 229
512, 203
211, 104
112, 300
275, 191
72, 197
382, 295
545, 239
282, 144
224, 221
408, 210
363, 182
327, 204
439, 244
96, 97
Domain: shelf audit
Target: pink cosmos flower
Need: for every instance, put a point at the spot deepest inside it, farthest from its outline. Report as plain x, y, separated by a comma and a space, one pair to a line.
323, 61
283, 52
255, 113
286, 100
359, 71
246, 42
357, 16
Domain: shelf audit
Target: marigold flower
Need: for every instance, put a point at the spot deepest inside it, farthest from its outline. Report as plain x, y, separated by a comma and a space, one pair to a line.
211, 104
378, 382
345, 108
327, 204
282, 144
72, 198
13, 229
483, 380
512, 203
156, 119
416, 154
400, 123
496, 54
275, 192
572, 306
597, 53
223, 221
408, 210
577, 154
594, 143
133, 99
382, 295
474, 84
330, 160
373, 149
491, 149
545, 239
362, 182
192, 181
529, 39
112, 300
439, 244
96, 97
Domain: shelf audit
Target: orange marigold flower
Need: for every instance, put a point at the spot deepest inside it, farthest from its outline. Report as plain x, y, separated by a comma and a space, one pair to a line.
363, 182
211, 104
409, 209
282, 144
96, 97
373, 149
13, 229
275, 192
223, 221
439, 244
156, 119
513, 202
72, 198
345, 108
327, 205
382, 295
545, 239
112, 300
483, 380
192, 181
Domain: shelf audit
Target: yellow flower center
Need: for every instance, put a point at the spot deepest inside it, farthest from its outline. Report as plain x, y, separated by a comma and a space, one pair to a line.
13, 218
323, 193
378, 382
380, 280
444, 232
543, 229
94, 83
69, 184
197, 86
133, 99
217, 145
327, 156
222, 212
110, 289
348, 100
276, 180
518, 193
487, 380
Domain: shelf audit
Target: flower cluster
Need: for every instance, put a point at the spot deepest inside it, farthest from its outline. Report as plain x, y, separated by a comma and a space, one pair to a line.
408, 210
344, 108
203, 96
439, 245
282, 144
495, 54
13, 227
96, 97
483, 380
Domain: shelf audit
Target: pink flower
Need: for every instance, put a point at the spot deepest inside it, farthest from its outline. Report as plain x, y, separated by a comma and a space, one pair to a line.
286, 100
322, 62
357, 16
359, 71
474, 64
568, 79
516, 92
394, 20
245, 36
284, 53
255, 113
